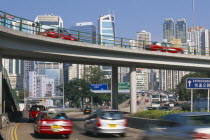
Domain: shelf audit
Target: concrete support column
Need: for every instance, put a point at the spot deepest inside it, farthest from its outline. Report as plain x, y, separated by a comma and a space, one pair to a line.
114, 96
133, 89
1, 94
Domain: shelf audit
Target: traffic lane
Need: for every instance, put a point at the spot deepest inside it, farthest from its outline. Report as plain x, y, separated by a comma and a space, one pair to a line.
80, 135
26, 131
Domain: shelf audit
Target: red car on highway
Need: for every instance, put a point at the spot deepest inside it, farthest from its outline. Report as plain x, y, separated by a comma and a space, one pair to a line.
34, 111
53, 123
53, 32
163, 47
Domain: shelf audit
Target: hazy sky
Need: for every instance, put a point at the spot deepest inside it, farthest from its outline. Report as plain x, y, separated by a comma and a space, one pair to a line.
132, 16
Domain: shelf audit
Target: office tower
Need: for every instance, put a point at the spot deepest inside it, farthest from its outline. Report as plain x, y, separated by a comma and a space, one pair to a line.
52, 70
49, 21
87, 31
181, 30
15, 70
142, 79
107, 37
143, 38
107, 30
168, 29
195, 35
40, 85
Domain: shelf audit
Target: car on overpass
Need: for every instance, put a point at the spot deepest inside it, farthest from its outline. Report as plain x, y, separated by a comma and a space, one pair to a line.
163, 47
181, 126
54, 33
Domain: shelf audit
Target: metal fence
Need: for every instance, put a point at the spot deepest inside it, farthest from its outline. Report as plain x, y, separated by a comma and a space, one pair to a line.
29, 26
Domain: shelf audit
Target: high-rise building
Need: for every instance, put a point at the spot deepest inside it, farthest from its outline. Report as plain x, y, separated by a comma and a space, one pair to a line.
168, 29
107, 37
107, 29
196, 36
87, 31
52, 70
49, 21
143, 38
181, 30
40, 85
169, 79
142, 79
15, 70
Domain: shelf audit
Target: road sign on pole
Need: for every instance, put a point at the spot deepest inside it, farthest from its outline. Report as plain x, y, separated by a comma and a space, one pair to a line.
99, 86
124, 85
198, 83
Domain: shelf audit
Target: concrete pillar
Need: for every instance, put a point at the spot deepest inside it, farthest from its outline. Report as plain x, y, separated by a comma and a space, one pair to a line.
1, 94
133, 89
114, 96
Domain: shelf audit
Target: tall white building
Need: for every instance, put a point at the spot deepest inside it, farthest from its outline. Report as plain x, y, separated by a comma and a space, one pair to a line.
53, 70
15, 70
40, 85
107, 36
142, 79
195, 35
143, 38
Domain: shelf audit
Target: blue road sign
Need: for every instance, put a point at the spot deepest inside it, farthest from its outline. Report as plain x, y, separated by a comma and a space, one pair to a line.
198, 83
99, 86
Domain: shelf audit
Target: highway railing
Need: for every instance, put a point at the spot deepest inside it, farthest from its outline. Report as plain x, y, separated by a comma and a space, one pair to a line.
12, 91
29, 26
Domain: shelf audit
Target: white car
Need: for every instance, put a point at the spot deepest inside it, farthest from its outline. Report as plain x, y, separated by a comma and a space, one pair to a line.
106, 121
181, 126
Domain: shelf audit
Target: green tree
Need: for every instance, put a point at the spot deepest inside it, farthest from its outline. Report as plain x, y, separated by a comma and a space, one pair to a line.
185, 94
75, 91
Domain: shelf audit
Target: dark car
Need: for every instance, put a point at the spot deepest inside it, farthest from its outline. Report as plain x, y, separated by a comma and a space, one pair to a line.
54, 33
87, 111
165, 108
34, 111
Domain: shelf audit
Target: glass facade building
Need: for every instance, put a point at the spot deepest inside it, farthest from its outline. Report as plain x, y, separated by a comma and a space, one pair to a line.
107, 30
87, 31
181, 30
168, 29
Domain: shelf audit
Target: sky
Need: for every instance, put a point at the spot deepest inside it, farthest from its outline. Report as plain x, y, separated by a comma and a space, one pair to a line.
131, 16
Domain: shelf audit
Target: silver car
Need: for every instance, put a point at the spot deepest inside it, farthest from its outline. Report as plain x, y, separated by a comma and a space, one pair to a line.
181, 126
106, 121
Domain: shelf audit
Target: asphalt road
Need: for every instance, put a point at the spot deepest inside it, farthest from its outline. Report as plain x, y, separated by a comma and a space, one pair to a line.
25, 131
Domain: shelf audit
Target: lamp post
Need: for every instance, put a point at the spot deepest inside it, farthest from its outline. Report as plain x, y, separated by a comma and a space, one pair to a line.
63, 86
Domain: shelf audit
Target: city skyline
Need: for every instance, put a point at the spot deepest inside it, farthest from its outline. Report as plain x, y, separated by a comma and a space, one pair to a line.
126, 25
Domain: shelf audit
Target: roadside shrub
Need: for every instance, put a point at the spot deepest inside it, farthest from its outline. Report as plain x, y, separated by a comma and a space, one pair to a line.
155, 114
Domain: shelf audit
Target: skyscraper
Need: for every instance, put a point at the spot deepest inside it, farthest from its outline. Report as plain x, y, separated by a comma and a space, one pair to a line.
143, 38
107, 37
181, 30
107, 29
52, 70
87, 31
196, 37
15, 70
168, 29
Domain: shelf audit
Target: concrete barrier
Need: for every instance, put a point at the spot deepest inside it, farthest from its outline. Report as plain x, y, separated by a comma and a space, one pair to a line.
145, 124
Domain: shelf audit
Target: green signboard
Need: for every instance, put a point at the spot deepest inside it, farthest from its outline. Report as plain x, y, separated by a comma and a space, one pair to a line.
124, 85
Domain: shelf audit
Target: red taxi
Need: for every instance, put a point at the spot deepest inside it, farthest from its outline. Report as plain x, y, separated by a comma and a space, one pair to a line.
34, 111
163, 47
53, 123
54, 34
